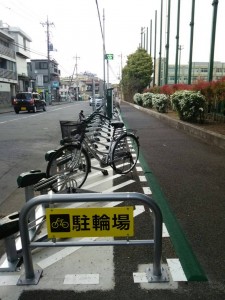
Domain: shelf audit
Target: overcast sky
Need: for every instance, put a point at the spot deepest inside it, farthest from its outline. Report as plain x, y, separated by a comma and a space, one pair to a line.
75, 30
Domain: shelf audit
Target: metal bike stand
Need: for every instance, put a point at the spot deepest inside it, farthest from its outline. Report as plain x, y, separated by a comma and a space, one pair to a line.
155, 274
9, 226
27, 180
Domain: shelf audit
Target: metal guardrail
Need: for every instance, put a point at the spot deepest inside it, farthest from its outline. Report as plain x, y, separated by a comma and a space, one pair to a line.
32, 277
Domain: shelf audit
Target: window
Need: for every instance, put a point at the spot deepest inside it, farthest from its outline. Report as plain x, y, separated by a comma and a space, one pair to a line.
24, 44
45, 79
11, 66
41, 65
39, 80
6, 44
89, 87
3, 63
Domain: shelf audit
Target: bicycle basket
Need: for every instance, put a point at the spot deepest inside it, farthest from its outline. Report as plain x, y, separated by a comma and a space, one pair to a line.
71, 128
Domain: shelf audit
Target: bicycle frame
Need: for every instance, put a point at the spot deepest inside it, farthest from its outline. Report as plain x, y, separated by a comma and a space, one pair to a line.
107, 158
106, 155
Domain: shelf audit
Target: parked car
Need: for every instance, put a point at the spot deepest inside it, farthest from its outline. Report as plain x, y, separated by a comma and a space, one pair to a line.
26, 101
97, 102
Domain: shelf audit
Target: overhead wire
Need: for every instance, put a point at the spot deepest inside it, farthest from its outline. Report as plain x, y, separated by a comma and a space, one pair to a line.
26, 12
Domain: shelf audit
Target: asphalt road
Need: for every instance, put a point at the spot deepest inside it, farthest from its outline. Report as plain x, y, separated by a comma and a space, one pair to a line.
25, 138
186, 177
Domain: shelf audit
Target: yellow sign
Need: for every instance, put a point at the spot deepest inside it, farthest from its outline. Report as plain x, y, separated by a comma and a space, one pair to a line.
90, 222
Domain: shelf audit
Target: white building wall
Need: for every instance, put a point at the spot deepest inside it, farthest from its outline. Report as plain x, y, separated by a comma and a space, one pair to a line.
21, 66
22, 43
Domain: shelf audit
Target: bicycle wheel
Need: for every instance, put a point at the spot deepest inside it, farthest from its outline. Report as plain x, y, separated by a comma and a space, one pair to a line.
68, 168
125, 153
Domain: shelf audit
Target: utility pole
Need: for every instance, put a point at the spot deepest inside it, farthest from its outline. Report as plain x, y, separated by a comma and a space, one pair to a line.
191, 41
104, 53
77, 88
213, 36
167, 42
150, 39
71, 81
48, 57
154, 72
180, 48
177, 38
160, 47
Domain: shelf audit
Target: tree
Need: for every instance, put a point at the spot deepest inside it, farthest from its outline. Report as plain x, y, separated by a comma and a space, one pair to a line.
136, 75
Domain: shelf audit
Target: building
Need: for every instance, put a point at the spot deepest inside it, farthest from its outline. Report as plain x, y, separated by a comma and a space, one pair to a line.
199, 72
14, 52
83, 85
22, 49
45, 78
8, 73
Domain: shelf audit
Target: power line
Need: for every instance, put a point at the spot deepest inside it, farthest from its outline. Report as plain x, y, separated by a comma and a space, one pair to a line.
28, 50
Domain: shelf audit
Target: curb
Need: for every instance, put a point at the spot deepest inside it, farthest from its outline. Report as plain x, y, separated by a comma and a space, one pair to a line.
207, 136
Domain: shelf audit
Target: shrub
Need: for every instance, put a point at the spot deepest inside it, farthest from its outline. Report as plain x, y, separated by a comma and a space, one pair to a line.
160, 102
190, 105
147, 99
138, 99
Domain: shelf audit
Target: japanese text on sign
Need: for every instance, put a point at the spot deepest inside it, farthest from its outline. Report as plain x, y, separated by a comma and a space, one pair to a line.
90, 222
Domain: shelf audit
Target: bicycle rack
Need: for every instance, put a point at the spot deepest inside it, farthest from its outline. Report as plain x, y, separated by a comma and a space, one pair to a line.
9, 226
32, 277
31, 181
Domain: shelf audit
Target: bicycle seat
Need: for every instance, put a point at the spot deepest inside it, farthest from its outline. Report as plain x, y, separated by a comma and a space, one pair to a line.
117, 124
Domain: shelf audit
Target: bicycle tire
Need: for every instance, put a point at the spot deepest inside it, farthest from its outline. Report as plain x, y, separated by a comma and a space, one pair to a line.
68, 168
125, 153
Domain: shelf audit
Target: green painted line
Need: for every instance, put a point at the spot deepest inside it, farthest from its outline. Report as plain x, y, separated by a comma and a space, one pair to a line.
190, 264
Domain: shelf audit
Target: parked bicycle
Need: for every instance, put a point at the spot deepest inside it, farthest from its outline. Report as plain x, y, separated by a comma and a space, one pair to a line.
70, 165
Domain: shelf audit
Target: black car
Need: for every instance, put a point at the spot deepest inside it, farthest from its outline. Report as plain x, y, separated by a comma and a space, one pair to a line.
26, 101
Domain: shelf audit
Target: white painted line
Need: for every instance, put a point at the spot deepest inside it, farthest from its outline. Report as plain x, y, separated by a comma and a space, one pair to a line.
61, 254
102, 181
142, 178
165, 232
97, 173
81, 279
139, 209
147, 190
119, 186
140, 277
176, 269
9, 280
139, 169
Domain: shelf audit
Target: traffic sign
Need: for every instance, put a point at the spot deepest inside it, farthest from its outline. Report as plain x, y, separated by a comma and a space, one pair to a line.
90, 222
109, 56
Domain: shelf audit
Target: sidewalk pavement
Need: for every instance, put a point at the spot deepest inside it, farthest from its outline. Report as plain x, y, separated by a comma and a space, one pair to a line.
207, 136
4, 110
